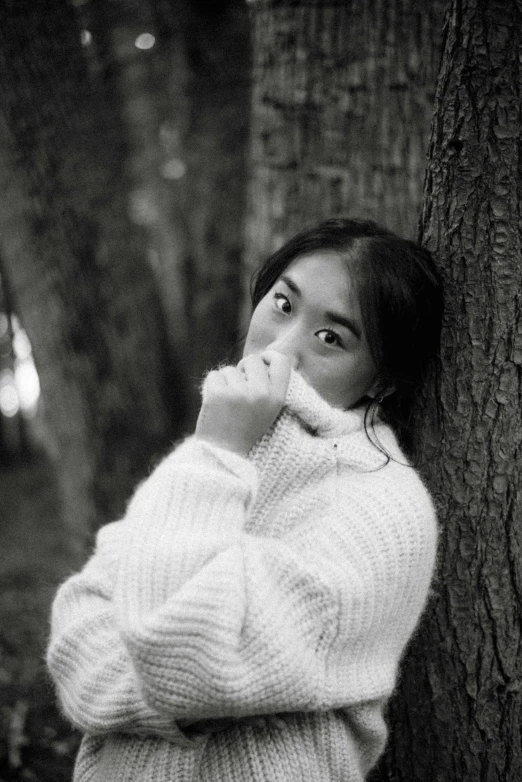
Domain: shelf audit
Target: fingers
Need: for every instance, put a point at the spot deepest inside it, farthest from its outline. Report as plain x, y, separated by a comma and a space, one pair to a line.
224, 378
241, 403
255, 370
212, 382
233, 378
269, 366
279, 369
270, 355
267, 371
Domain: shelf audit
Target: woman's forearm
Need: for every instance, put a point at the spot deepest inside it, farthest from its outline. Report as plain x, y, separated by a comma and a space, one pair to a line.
98, 689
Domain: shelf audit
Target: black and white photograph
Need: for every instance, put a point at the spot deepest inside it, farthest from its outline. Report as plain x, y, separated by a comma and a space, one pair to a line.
260, 391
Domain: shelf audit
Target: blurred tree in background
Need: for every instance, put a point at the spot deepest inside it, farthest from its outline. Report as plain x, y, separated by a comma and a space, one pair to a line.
75, 265
128, 231
204, 106
123, 174
185, 91
342, 105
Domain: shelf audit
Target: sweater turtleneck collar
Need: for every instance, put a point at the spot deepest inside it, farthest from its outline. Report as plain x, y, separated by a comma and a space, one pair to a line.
364, 451
310, 438
316, 413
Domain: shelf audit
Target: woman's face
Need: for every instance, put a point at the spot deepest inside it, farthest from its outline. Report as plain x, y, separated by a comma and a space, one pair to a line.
312, 315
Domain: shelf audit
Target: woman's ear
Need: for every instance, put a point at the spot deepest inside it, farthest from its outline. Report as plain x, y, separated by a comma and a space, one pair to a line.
378, 393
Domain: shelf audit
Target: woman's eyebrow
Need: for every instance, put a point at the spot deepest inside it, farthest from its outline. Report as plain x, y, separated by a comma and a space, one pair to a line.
348, 323
291, 284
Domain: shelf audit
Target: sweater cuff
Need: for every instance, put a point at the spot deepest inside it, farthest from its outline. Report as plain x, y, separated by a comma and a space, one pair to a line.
191, 508
211, 457
199, 488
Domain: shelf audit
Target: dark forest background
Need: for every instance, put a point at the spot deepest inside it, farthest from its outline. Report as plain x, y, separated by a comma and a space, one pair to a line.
152, 153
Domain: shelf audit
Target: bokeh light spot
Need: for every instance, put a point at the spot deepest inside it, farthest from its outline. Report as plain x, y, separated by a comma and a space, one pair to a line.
142, 208
28, 386
173, 169
145, 41
21, 344
9, 400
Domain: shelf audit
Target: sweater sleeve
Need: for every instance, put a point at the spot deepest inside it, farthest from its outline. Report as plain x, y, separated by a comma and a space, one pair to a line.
219, 622
97, 685
98, 688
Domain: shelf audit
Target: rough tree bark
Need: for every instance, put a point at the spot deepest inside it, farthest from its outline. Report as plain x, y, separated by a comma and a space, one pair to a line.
458, 713
341, 110
75, 265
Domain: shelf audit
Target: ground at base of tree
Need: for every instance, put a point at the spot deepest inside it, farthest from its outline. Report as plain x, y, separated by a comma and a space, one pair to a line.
36, 744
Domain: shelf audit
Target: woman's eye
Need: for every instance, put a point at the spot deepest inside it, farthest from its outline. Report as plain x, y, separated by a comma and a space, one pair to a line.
329, 337
282, 303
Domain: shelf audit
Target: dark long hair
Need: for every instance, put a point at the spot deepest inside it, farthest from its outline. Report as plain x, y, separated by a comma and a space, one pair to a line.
400, 296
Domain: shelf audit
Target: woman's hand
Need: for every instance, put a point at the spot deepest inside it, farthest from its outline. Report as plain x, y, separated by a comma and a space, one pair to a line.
241, 403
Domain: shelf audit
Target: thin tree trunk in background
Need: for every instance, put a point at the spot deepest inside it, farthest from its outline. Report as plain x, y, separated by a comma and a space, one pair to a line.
341, 111
203, 112
142, 88
458, 714
75, 266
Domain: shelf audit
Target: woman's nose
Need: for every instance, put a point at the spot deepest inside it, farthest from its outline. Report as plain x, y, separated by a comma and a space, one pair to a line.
289, 344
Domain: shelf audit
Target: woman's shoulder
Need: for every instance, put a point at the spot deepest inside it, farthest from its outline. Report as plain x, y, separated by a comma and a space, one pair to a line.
377, 472
370, 448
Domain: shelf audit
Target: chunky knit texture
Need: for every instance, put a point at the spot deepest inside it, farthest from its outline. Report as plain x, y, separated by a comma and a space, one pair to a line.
245, 620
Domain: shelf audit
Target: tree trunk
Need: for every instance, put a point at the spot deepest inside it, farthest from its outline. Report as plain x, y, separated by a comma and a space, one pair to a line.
75, 265
203, 68
342, 105
458, 712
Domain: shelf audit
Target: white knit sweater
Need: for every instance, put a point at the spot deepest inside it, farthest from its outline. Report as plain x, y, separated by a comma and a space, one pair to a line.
245, 620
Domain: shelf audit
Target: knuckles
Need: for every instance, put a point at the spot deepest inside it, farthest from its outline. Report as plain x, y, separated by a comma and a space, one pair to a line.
260, 397
235, 412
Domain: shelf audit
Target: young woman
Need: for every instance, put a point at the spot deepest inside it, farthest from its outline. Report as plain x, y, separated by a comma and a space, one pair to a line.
245, 620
